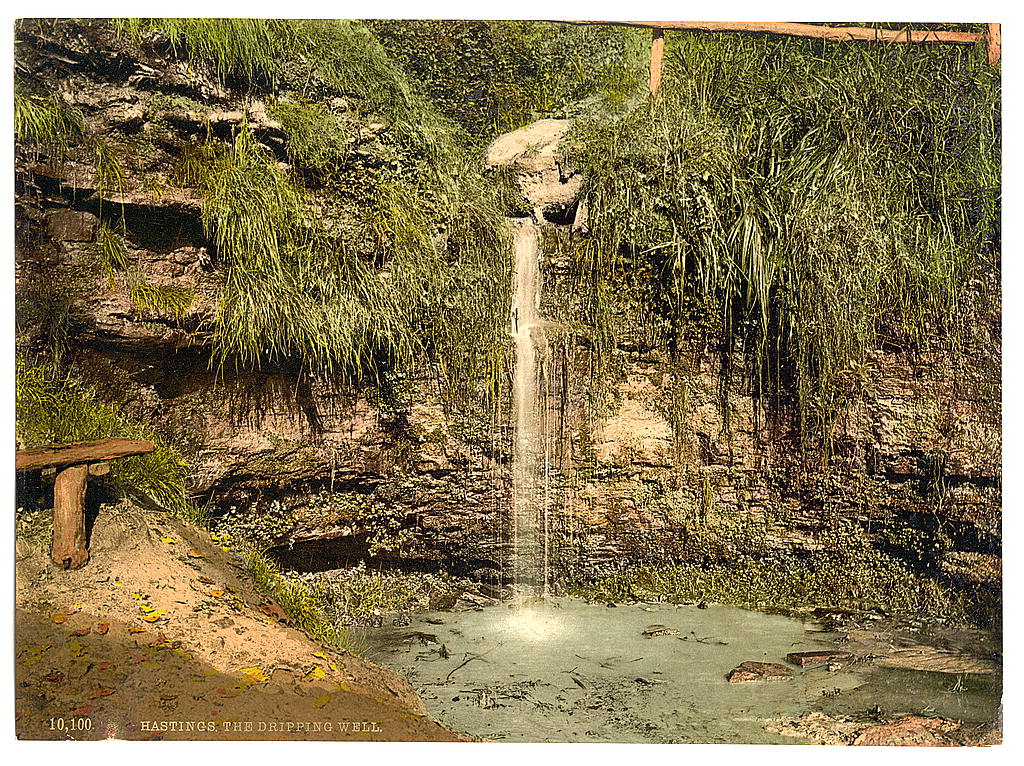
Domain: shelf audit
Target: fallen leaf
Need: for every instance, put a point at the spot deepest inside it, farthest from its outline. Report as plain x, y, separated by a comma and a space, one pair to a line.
118, 583
77, 650
80, 632
59, 618
256, 674
169, 540
102, 628
155, 615
84, 709
321, 655
106, 666
216, 593
205, 580
133, 629
316, 674
322, 700
56, 677
195, 553
101, 692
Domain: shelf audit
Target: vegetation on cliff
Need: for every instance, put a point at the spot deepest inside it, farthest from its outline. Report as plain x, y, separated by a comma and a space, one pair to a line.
371, 261
809, 203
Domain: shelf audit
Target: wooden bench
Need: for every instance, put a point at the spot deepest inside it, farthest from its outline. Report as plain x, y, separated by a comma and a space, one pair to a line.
75, 462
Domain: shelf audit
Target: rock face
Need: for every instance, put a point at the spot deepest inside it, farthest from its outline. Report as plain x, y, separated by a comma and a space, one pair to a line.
534, 154
639, 474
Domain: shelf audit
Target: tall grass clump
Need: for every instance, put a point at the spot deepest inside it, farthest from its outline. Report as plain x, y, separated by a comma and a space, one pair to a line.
44, 121
52, 406
820, 199
382, 255
305, 605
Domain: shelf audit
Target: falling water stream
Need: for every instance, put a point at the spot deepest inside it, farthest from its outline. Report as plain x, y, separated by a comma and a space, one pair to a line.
529, 460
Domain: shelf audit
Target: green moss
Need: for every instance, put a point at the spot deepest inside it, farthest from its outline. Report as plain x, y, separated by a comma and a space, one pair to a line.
317, 139
848, 574
359, 592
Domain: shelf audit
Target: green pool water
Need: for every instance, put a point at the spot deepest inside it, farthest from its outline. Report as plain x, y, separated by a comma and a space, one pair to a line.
563, 670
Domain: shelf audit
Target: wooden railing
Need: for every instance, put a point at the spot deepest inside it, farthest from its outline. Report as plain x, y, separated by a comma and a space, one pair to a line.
76, 462
992, 36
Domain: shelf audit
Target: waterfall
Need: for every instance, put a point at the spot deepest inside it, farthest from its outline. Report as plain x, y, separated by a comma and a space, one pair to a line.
530, 459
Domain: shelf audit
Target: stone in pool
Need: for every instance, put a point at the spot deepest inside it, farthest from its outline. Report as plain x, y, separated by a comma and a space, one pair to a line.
803, 659
652, 631
748, 672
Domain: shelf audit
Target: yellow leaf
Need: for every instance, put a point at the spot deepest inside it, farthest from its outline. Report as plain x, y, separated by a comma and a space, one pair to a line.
322, 700
321, 655
169, 540
195, 553
154, 615
118, 583
316, 674
216, 593
255, 674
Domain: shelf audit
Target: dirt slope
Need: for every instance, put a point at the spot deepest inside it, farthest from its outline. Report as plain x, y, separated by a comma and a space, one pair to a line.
160, 636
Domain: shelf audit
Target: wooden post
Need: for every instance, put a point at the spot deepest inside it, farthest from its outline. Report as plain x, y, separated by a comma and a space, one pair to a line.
657, 54
69, 551
995, 44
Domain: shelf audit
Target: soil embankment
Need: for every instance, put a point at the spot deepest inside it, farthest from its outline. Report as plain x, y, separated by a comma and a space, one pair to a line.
161, 636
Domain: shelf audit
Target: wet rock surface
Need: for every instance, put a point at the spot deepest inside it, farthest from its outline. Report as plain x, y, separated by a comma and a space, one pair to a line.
804, 659
750, 671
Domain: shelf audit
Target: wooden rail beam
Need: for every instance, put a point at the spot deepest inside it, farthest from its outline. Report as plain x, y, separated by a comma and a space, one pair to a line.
796, 29
71, 453
75, 461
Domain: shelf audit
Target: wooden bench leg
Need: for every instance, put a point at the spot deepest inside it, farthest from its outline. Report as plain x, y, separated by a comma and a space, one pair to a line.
69, 551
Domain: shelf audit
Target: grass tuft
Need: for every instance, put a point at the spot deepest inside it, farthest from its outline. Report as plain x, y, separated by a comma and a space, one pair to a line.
305, 605
54, 407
